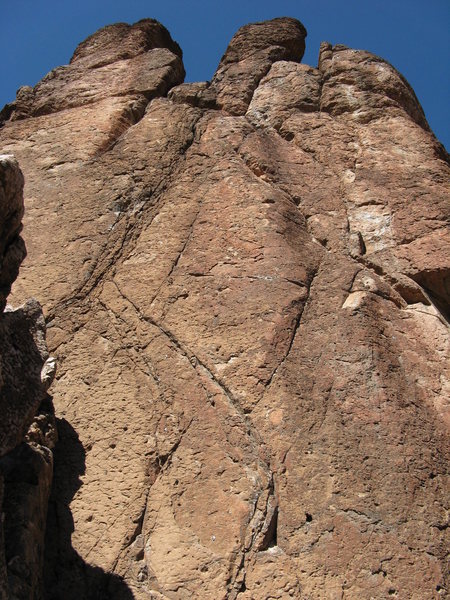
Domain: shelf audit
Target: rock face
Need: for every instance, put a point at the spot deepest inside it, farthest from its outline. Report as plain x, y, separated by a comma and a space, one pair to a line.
12, 247
247, 286
27, 431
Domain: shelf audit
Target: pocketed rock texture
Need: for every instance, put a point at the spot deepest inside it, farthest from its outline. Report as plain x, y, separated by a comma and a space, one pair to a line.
246, 289
27, 431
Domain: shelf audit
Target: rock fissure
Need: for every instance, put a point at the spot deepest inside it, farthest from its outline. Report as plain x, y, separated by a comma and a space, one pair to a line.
296, 326
107, 259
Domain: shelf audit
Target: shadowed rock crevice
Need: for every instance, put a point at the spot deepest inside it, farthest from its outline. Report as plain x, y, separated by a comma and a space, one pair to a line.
27, 475
437, 285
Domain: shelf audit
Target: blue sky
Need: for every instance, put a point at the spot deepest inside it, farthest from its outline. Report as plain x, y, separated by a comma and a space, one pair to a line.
38, 35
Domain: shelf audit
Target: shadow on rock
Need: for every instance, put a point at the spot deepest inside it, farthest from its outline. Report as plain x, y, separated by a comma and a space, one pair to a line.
66, 575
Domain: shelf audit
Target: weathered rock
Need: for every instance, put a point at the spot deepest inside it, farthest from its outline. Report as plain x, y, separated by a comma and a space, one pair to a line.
120, 60
365, 85
246, 295
12, 248
28, 471
4, 588
23, 354
121, 41
26, 433
251, 53
249, 57
288, 88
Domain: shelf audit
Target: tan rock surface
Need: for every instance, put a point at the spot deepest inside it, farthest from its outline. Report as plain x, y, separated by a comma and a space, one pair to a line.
246, 288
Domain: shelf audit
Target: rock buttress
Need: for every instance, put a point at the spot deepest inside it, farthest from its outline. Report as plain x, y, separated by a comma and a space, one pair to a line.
247, 283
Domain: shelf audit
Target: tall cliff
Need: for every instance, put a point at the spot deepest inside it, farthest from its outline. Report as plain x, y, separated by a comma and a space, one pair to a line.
246, 284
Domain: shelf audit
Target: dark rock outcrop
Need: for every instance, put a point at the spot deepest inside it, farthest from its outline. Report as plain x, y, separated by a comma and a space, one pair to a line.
27, 431
247, 286
12, 248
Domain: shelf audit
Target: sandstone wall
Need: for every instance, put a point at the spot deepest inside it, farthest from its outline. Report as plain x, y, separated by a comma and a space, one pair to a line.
246, 288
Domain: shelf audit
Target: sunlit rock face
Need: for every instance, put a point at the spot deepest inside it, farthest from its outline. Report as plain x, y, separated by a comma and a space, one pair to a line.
246, 284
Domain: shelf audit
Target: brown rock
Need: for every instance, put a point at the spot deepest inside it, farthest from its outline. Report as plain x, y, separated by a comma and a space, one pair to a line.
27, 472
120, 41
120, 60
12, 248
248, 58
23, 355
287, 88
27, 429
246, 290
365, 85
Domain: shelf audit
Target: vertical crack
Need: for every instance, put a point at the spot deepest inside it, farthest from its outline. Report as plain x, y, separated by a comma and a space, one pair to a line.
270, 538
296, 327
132, 225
